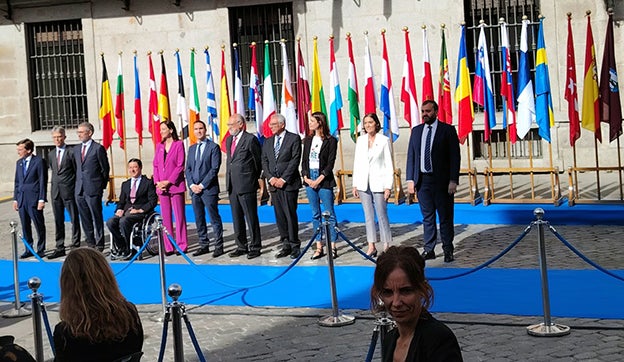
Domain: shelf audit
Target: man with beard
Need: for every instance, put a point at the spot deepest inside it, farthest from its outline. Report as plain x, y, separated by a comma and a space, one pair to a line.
433, 160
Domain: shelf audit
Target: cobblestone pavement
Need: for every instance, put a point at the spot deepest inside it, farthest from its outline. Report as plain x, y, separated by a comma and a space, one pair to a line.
275, 334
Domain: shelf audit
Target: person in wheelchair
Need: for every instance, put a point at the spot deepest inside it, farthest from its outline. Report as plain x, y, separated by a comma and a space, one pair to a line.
137, 201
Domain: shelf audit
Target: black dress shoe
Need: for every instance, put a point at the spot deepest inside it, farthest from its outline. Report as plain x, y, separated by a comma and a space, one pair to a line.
318, 255
201, 251
27, 254
76, 244
100, 249
283, 253
253, 254
448, 257
294, 254
237, 253
428, 255
169, 253
57, 254
218, 252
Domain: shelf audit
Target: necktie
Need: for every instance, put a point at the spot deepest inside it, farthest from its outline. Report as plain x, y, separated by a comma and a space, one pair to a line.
25, 166
276, 149
428, 150
133, 190
233, 146
58, 158
84, 150
197, 162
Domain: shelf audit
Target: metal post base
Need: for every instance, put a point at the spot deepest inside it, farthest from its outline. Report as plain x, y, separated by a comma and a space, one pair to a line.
17, 313
339, 321
553, 330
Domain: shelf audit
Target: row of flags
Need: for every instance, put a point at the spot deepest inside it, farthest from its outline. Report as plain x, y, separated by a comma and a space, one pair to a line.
530, 101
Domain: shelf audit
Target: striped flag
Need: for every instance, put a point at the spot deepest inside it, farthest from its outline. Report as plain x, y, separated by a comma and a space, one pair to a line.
303, 93
463, 91
409, 98
507, 93
317, 96
609, 87
106, 109
138, 114
370, 96
571, 94
239, 102
163, 96
590, 116
386, 97
287, 106
181, 109
223, 132
427, 80
211, 105
255, 97
335, 105
354, 101
526, 99
544, 114
445, 113
268, 99
483, 94
120, 107
152, 106
194, 114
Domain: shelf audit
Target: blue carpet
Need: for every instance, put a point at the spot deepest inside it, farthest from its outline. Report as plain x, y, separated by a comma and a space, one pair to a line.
573, 293
514, 214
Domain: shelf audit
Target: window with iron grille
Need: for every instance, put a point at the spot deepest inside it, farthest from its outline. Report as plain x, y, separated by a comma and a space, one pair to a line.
271, 22
58, 92
490, 11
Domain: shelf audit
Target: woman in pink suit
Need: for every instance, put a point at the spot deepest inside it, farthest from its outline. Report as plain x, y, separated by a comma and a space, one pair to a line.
170, 185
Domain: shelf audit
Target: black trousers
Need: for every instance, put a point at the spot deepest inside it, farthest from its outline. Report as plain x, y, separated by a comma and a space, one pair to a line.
285, 207
59, 205
121, 229
245, 208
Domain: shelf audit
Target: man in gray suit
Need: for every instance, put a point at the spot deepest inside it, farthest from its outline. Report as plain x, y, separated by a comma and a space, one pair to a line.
241, 178
92, 171
63, 170
281, 154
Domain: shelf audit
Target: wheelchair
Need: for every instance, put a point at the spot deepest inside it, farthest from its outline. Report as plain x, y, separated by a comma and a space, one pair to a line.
141, 231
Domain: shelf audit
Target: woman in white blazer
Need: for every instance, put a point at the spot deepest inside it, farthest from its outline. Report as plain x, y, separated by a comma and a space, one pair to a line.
373, 176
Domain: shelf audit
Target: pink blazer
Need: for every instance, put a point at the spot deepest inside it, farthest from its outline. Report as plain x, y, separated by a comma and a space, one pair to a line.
172, 168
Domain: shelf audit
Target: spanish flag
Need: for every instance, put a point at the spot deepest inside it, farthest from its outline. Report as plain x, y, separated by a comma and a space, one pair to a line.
106, 109
590, 116
225, 105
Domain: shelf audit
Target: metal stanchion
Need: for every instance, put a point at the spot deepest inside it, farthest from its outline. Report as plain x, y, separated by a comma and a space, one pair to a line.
383, 324
546, 329
34, 283
161, 264
175, 290
19, 310
336, 319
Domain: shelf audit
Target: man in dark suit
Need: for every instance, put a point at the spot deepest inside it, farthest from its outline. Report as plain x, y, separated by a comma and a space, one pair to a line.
244, 166
92, 171
63, 168
202, 177
29, 194
137, 201
281, 154
433, 161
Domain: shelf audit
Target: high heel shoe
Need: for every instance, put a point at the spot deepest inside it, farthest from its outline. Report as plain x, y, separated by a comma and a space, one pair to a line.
371, 255
318, 255
335, 253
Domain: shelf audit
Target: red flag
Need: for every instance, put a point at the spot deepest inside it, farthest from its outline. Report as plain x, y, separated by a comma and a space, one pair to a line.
609, 88
571, 94
120, 108
154, 120
427, 81
303, 93
370, 96
408, 86
106, 109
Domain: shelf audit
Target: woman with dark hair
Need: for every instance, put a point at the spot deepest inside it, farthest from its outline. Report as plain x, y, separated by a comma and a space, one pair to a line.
373, 176
97, 322
170, 185
400, 288
317, 169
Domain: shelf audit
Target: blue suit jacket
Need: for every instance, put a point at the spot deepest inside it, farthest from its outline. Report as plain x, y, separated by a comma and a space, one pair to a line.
30, 187
445, 155
208, 166
92, 173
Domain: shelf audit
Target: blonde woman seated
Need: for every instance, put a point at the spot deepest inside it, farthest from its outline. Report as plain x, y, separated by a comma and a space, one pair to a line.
97, 323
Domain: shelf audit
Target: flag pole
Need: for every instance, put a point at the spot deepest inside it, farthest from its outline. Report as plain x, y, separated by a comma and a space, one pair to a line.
111, 180
597, 162
123, 131
531, 165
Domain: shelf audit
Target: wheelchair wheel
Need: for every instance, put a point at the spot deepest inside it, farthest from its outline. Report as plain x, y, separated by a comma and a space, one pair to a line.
149, 228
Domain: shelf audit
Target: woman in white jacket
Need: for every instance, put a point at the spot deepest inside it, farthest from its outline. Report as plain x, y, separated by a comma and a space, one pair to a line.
373, 175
